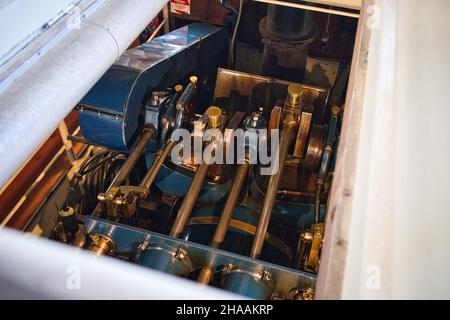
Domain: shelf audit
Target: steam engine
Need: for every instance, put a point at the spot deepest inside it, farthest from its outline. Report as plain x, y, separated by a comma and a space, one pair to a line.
225, 224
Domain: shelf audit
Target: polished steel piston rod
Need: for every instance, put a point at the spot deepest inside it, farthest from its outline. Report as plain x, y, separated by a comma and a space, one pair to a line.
290, 122
214, 115
189, 201
207, 271
227, 214
148, 134
150, 177
122, 201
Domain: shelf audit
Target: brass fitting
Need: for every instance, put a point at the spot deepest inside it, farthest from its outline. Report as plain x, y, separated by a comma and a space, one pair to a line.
295, 93
178, 88
308, 294
292, 108
305, 294
206, 275
290, 121
214, 117
194, 80
101, 245
335, 111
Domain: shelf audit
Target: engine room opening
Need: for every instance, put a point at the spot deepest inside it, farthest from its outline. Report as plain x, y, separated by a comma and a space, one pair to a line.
264, 87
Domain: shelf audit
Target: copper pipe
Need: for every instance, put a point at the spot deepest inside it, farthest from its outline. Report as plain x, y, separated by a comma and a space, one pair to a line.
290, 193
158, 29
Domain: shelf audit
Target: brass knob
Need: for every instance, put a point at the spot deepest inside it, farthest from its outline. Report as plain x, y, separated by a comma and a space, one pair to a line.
194, 80
295, 93
179, 88
335, 111
214, 117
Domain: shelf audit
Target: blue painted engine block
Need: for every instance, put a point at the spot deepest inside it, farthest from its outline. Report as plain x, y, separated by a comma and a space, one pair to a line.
111, 116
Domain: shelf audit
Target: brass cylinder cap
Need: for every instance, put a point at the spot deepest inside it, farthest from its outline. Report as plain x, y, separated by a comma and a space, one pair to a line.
179, 88
335, 111
295, 93
214, 117
194, 80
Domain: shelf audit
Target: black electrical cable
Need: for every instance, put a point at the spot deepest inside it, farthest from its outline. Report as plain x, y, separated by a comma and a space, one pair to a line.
110, 157
98, 173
